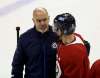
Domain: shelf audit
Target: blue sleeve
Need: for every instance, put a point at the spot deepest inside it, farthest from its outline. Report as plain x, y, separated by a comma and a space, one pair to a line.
18, 62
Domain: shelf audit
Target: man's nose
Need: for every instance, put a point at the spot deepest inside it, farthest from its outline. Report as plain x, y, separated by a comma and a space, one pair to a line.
42, 22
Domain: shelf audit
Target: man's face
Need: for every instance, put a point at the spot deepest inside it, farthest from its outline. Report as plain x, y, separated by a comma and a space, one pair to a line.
41, 21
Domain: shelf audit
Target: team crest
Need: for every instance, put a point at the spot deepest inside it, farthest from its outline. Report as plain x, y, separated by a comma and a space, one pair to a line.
54, 45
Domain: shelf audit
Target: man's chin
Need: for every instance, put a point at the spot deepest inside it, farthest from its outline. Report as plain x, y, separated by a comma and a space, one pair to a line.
42, 30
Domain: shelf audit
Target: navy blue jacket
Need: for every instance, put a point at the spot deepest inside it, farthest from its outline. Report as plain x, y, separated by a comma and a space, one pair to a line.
36, 52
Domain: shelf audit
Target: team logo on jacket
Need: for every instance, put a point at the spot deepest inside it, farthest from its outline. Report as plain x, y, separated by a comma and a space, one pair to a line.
54, 45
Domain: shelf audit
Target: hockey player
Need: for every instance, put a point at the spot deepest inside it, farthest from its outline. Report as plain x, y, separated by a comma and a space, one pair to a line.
72, 58
95, 69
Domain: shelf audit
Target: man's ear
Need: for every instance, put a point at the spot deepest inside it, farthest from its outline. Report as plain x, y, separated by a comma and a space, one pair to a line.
33, 20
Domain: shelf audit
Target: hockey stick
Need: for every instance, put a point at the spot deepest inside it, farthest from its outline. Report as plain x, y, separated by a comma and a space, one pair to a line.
17, 30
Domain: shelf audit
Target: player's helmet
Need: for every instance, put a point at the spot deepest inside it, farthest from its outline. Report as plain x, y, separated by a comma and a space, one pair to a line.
65, 22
